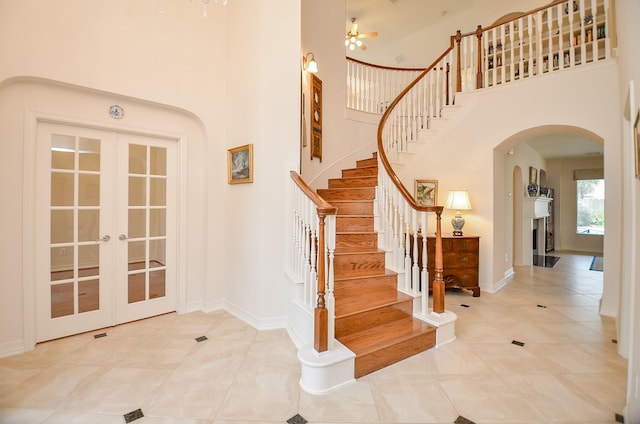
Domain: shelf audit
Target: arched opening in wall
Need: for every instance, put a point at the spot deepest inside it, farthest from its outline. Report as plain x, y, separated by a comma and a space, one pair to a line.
544, 168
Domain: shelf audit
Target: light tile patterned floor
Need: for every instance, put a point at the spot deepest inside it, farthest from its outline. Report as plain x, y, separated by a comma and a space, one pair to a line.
568, 370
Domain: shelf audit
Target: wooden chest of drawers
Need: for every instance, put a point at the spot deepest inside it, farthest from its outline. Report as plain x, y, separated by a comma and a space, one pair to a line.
460, 262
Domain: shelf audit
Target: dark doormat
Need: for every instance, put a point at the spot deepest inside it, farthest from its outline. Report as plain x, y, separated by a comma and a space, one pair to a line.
545, 261
596, 263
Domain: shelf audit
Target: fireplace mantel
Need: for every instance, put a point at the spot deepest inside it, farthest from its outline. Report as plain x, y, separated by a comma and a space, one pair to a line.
536, 207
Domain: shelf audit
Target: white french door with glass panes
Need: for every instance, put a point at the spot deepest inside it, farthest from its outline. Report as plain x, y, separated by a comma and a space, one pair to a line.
106, 228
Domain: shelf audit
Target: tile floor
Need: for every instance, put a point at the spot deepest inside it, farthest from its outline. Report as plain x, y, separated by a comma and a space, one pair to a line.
568, 370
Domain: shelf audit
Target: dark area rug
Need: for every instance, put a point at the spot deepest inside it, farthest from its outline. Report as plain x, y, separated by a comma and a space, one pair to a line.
545, 261
596, 263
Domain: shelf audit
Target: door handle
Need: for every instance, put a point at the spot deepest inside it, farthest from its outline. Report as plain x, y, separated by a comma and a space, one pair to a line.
122, 237
105, 238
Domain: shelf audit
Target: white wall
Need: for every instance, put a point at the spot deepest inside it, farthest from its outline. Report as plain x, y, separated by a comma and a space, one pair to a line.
263, 109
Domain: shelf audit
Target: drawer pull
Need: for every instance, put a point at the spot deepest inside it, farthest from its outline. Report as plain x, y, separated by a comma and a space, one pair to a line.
465, 259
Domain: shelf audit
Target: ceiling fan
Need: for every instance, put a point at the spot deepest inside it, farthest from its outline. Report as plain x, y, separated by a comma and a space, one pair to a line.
352, 40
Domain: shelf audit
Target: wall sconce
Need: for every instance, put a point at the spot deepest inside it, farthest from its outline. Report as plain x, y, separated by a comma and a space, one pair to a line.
310, 65
458, 200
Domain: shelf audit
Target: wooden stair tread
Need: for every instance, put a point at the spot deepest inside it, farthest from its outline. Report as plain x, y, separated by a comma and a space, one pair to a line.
381, 336
360, 252
374, 299
387, 272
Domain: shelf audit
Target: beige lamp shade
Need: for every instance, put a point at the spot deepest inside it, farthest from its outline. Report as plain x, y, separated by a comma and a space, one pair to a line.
458, 200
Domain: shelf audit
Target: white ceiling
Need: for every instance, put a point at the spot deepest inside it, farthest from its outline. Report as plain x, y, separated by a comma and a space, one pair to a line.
396, 19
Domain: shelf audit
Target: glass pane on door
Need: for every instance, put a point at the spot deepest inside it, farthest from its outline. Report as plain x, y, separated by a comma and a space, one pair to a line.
75, 225
147, 208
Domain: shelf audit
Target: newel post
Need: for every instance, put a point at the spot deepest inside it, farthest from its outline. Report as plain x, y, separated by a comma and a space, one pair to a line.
479, 73
458, 64
438, 282
321, 314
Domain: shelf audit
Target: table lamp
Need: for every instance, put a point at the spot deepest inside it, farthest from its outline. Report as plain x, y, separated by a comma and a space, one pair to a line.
458, 200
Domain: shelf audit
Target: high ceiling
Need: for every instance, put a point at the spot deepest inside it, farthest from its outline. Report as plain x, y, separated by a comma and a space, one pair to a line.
396, 19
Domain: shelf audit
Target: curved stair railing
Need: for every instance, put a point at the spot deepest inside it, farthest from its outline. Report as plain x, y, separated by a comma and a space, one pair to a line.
403, 222
371, 88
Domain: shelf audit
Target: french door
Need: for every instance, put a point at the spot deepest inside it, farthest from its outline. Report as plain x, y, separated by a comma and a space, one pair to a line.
106, 228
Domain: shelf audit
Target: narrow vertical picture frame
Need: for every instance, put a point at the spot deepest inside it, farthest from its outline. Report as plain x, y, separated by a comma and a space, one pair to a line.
636, 142
316, 117
240, 164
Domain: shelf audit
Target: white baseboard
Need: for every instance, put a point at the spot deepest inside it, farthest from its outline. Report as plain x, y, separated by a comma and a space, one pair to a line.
14, 347
498, 285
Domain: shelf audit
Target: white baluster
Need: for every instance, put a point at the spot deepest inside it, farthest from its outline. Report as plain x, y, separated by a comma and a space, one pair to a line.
494, 64
583, 39
424, 274
607, 41
539, 45
530, 57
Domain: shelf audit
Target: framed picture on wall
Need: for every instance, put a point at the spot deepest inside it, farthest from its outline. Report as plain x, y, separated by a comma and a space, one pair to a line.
240, 164
426, 192
636, 142
316, 117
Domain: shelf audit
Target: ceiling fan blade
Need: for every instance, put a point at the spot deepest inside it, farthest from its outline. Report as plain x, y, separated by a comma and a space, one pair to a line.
363, 47
368, 35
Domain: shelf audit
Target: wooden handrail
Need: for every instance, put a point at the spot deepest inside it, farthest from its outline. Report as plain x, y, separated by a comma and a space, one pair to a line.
321, 313
389, 68
322, 205
531, 12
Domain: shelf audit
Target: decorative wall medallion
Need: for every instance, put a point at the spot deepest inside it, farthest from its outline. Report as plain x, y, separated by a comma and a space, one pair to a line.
116, 112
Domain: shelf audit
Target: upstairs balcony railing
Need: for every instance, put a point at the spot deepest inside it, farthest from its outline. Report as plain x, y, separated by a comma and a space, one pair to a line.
553, 38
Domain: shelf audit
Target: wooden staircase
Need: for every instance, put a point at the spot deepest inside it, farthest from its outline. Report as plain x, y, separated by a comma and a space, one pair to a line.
373, 319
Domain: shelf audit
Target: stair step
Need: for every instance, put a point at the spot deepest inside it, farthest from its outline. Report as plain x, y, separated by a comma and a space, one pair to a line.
353, 182
363, 171
346, 286
363, 193
371, 306
346, 264
354, 223
354, 207
367, 162
356, 241
381, 346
